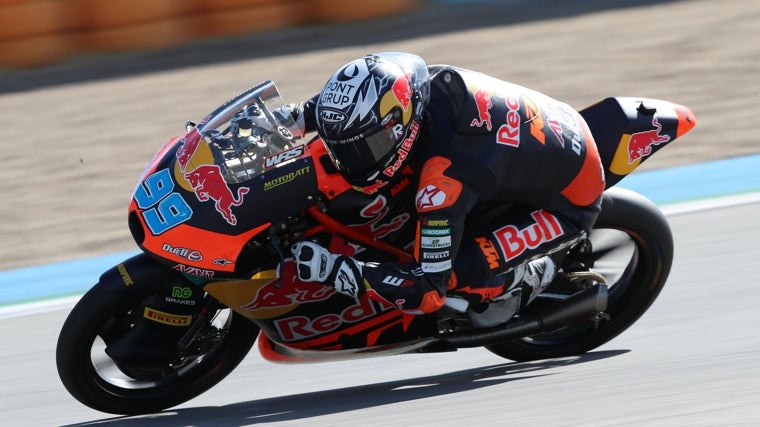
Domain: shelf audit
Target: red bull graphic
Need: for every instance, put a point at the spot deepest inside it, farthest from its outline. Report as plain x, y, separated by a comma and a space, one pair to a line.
298, 328
195, 167
400, 96
403, 151
641, 143
483, 104
403, 92
209, 184
287, 291
186, 151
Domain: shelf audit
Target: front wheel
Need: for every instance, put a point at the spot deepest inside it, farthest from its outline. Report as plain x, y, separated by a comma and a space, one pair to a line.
140, 384
632, 247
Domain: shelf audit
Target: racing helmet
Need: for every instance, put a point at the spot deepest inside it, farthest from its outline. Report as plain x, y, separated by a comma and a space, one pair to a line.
369, 116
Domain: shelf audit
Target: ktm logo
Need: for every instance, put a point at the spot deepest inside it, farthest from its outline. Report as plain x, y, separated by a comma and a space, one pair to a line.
489, 251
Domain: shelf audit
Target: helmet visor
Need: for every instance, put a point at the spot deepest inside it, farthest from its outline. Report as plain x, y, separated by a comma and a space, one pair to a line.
363, 156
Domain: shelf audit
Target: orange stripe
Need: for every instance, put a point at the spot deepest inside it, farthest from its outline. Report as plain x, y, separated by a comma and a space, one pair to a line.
431, 302
589, 183
686, 119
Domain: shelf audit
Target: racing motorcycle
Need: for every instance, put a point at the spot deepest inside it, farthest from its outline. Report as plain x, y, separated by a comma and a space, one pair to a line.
216, 211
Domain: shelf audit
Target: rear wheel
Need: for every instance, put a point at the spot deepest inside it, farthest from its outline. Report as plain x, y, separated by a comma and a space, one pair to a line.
632, 247
104, 318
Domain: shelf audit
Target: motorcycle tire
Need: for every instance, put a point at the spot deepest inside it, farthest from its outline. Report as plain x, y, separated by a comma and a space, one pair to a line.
630, 221
102, 315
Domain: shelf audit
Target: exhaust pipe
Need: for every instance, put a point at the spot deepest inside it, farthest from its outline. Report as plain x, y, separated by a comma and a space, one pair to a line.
586, 303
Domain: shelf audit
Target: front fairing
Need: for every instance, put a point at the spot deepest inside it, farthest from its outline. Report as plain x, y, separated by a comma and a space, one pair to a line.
203, 197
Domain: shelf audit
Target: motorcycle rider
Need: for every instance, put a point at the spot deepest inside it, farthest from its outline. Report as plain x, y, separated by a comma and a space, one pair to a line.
504, 176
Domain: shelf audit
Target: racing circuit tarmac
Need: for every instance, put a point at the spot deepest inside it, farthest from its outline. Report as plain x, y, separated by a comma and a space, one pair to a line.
79, 134
690, 361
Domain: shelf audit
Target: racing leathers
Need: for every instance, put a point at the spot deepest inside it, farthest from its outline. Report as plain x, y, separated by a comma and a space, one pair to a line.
501, 175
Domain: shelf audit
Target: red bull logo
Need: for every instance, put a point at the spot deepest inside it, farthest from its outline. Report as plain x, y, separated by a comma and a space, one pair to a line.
209, 184
400, 96
287, 292
403, 92
186, 151
205, 179
483, 104
641, 143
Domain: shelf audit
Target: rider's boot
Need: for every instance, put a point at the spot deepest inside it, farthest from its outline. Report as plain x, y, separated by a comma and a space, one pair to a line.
529, 280
533, 278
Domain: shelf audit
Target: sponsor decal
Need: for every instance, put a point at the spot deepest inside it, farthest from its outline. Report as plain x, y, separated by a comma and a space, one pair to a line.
436, 255
194, 271
288, 291
513, 241
399, 186
122, 269
283, 156
402, 91
208, 183
483, 103
372, 188
197, 173
332, 116
430, 197
403, 151
640, 144
290, 177
181, 292
436, 267
397, 281
509, 133
342, 88
435, 222
188, 254
489, 251
297, 328
553, 123
435, 231
427, 242
189, 146
222, 262
633, 148
181, 295
400, 96
167, 318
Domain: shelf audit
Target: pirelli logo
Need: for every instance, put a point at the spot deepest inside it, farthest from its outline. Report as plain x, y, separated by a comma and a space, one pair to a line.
166, 318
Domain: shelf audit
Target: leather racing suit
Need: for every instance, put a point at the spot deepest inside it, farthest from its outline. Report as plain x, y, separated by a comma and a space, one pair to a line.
500, 174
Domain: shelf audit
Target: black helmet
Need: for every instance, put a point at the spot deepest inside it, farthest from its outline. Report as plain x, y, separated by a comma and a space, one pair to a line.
369, 116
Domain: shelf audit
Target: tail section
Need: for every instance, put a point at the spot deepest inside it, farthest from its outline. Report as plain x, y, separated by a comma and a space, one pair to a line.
629, 130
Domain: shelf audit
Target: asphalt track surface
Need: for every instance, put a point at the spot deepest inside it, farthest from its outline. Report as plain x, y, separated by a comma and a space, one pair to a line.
690, 361
82, 131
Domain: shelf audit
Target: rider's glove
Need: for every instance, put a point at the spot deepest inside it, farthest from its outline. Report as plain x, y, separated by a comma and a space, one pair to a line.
316, 264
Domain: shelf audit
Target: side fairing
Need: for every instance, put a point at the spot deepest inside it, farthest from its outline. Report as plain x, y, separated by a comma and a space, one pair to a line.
184, 212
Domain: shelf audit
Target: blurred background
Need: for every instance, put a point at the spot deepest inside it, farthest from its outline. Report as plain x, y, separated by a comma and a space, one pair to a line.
89, 89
